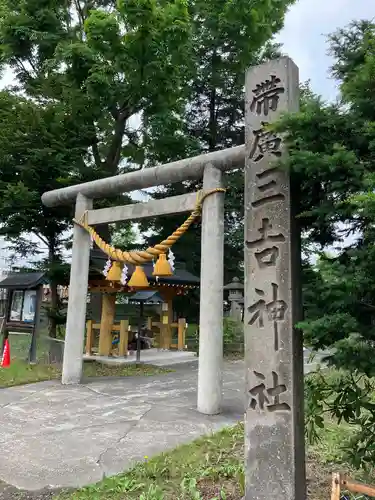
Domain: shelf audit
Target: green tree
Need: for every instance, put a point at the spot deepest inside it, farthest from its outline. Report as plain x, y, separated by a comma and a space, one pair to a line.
331, 158
124, 236
106, 61
227, 37
85, 71
39, 147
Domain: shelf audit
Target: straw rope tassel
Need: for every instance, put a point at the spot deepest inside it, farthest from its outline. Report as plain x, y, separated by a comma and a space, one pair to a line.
140, 257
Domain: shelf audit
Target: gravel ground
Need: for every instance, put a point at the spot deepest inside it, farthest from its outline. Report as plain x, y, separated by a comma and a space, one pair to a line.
8, 492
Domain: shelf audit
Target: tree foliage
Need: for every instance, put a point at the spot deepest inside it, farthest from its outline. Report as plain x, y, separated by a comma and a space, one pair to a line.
227, 38
332, 150
131, 83
85, 70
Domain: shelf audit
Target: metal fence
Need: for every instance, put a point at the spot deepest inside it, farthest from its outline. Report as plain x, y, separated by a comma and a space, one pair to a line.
19, 345
47, 349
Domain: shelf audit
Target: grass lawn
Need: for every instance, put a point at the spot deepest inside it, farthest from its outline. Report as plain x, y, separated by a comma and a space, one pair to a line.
21, 372
212, 468
180, 474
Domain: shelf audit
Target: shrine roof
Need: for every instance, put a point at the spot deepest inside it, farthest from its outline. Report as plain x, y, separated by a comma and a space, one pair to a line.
23, 281
146, 296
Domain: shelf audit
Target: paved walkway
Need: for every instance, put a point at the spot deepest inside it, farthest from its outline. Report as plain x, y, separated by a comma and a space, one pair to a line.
62, 436
154, 357
69, 436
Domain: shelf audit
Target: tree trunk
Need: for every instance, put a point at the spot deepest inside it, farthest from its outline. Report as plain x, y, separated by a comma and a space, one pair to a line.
212, 123
53, 288
54, 348
54, 305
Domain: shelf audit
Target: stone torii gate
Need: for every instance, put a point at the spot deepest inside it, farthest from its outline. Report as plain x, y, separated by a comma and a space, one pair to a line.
274, 360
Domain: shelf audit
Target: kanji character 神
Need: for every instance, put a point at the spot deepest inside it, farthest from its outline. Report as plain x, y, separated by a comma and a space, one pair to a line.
275, 311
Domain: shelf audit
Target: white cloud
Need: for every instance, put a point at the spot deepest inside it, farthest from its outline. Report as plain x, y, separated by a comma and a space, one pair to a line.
7, 79
307, 25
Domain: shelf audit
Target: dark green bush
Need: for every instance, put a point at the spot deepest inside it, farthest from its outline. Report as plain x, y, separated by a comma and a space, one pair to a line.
233, 337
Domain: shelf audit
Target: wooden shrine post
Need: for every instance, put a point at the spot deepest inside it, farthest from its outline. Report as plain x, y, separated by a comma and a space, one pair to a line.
106, 323
181, 334
124, 338
274, 437
166, 319
168, 340
89, 336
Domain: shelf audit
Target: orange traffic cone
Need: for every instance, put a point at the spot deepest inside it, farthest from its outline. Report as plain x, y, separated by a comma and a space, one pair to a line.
5, 362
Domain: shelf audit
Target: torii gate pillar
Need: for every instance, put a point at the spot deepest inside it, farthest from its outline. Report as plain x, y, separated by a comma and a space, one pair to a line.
210, 376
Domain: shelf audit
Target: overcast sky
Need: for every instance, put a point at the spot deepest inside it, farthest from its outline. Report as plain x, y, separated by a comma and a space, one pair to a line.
304, 38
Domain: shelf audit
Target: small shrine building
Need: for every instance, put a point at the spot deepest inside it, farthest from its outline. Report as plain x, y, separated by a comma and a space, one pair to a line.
159, 320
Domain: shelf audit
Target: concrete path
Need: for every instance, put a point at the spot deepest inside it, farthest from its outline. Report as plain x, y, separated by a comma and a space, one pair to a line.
69, 436
154, 357
62, 436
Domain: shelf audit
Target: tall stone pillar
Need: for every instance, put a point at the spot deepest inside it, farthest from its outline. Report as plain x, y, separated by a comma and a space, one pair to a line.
210, 368
274, 437
76, 318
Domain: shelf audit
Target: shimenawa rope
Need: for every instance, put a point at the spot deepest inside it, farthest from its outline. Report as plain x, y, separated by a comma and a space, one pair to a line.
140, 257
